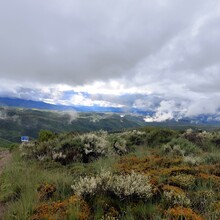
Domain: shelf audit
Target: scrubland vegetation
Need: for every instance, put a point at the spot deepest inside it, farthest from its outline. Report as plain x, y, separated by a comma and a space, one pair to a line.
150, 173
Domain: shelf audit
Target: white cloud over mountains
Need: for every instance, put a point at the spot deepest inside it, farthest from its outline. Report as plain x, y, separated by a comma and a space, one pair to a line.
160, 55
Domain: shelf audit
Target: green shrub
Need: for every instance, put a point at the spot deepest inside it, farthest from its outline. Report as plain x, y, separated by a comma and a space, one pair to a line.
119, 144
159, 136
68, 148
182, 146
212, 158
135, 137
45, 135
204, 139
13, 146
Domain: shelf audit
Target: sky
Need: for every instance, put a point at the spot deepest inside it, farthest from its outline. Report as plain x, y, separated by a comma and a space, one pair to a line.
160, 55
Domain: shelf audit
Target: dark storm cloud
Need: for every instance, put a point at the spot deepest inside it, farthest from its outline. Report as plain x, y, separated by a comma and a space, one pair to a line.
80, 41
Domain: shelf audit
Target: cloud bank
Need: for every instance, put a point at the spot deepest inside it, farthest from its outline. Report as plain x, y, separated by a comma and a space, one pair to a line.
160, 55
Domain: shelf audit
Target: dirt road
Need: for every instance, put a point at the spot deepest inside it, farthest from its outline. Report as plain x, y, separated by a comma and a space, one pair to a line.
5, 157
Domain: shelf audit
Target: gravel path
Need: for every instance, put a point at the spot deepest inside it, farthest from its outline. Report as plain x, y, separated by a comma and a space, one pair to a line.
5, 157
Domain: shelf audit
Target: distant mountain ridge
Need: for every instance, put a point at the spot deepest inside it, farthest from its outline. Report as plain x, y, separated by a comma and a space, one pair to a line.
212, 119
22, 103
16, 102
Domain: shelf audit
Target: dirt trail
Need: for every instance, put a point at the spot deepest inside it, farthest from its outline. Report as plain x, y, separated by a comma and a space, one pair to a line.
5, 157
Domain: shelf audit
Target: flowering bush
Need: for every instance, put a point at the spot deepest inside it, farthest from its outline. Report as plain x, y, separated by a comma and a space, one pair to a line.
87, 186
183, 180
175, 196
131, 185
27, 149
134, 185
68, 148
95, 145
119, 145
193, 160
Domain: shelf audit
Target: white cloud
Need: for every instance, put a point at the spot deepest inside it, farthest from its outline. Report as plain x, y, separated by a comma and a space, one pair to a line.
167, 110
72, 115
208, 105
158, 55
80, 99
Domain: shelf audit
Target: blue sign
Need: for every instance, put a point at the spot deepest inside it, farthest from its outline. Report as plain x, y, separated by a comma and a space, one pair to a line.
24, 138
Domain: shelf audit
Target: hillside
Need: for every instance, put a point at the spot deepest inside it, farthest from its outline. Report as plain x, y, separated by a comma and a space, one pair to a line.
151, 173
15, 122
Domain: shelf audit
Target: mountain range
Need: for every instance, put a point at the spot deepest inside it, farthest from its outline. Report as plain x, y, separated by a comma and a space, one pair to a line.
208, 119
20, 117
16, 102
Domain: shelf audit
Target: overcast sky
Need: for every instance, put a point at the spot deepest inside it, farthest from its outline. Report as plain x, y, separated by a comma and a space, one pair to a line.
161, 55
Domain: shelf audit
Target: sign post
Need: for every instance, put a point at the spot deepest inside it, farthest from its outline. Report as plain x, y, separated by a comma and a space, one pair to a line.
24, 138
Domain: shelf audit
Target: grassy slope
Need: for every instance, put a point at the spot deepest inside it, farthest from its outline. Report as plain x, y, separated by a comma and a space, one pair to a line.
21, 179
5, 143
